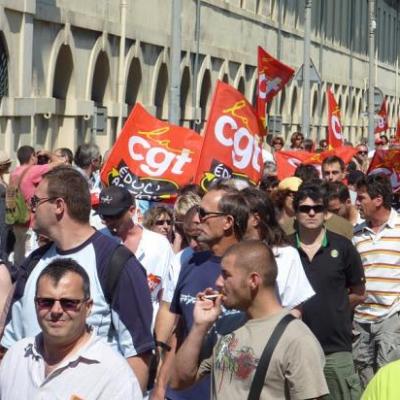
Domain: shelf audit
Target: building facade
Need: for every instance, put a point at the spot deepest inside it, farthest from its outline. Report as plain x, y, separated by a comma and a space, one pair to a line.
71, 70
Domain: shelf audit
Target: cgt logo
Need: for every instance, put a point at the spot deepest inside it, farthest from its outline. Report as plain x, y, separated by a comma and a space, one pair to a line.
246, 149
267, 86
336, 127
157, 160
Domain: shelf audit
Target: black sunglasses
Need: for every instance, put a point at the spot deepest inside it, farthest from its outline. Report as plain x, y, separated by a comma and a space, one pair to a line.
364, 153
318, 208
203, 214
45, 303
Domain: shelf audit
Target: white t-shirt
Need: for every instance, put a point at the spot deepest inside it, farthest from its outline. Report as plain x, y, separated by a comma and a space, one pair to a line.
293, 285
155, 253
178, 261
94, 372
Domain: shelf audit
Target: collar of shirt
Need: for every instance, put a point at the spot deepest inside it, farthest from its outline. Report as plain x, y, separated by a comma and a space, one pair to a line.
324, 242
390, 223
84, 354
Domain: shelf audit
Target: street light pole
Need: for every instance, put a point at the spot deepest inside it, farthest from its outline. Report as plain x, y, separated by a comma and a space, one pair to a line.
371, 75
175, 63
306, 70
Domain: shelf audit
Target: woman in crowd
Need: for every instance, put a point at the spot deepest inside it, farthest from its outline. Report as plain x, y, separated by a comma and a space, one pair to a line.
159, 219
293, 285
296, 141
283, 199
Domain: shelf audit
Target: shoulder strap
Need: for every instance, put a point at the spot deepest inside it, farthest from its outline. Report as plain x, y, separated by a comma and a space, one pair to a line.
117, 262
262, 367
22, 176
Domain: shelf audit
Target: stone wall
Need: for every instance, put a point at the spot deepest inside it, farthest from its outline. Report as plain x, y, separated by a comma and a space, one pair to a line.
65, 70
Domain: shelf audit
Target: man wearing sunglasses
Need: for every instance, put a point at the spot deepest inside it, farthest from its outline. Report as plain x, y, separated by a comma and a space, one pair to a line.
66, 359
334, 269
60, 211
223, 218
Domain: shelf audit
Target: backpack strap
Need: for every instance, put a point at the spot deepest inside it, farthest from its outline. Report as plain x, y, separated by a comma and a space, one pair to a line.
116, 264
262, 367
18, 182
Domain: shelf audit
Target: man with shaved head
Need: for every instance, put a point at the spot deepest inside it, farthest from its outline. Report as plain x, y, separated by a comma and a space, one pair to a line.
247, 282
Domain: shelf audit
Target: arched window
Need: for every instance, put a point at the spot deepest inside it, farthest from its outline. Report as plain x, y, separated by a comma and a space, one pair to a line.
3, 69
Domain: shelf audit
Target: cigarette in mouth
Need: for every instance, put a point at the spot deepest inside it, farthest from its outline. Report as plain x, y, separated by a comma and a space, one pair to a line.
210, 296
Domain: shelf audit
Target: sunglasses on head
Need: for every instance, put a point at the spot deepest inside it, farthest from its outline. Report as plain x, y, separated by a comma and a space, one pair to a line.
317, 208
46, 303
161, 222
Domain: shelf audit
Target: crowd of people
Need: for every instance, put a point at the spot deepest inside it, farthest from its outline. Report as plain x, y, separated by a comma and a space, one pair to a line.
288, 290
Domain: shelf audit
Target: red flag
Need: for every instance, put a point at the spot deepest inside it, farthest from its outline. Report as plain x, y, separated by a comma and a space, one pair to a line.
272, 77
232, 141
381, 122
387, 162
288, 161
335, 131
397, 137
152, 158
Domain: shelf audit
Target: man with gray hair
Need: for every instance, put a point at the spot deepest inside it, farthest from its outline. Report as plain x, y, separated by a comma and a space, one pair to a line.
88, 161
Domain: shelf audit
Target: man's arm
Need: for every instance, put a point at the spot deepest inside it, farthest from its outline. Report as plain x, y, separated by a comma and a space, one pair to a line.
140, 365
356, 295
165, 322
205, 314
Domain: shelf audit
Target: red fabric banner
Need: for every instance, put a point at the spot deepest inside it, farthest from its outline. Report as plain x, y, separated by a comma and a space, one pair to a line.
387, 162
232, 141
381, 122
288, 161
152, 158
397, 137
272, 77
335, 130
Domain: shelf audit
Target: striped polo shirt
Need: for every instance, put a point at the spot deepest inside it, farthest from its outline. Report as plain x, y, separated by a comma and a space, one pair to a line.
380, 255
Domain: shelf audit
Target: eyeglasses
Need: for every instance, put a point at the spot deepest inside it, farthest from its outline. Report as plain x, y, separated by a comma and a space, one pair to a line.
204, 214
317, 208
37, 201
362, 153
47, 303
161, 222
277, 143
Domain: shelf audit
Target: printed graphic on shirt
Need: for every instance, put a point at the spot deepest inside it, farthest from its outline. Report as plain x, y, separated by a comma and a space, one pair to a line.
238, 362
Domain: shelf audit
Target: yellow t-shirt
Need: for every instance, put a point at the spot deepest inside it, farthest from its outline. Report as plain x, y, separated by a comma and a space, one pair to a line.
385, 384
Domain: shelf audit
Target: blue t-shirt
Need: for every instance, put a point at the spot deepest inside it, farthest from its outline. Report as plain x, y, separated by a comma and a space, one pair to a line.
200, 273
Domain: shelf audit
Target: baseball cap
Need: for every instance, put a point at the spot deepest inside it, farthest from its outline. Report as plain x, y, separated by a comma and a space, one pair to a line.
114, 200
293, 183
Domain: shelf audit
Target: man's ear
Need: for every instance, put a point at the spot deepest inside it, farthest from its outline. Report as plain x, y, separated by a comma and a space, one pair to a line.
230, 222
378, 200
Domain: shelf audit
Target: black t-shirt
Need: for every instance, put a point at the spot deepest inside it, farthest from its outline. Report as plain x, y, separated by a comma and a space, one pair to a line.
336, 267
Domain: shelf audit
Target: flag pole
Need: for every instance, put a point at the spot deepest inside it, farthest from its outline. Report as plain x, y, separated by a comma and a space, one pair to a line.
371, 76
175, 64
306, 70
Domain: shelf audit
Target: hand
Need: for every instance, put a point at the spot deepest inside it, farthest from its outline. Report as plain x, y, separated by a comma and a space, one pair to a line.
206, 311
158, 393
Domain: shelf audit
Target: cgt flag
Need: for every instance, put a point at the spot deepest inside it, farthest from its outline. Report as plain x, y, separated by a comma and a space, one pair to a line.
232, 141
288, 161
272, 77
335, 130
387, 162
152, 158
381, 122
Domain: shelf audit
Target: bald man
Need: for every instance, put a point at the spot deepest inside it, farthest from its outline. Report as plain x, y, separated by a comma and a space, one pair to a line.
247, 283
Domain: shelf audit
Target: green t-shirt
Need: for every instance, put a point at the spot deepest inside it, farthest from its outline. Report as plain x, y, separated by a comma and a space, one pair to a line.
385, 384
